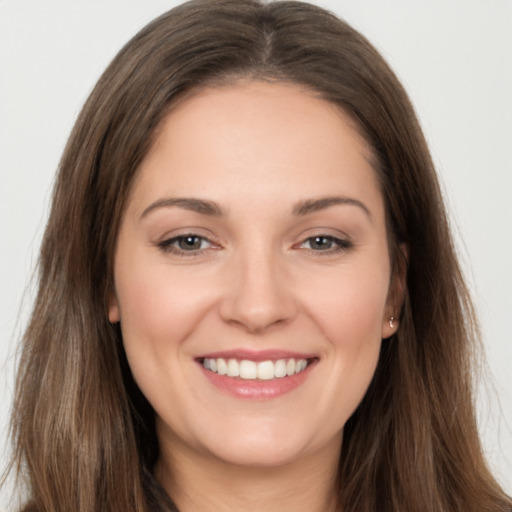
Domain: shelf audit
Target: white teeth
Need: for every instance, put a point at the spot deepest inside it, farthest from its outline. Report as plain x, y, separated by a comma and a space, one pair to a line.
280, 368
263, 370
266, 370
248, 369
222, 367
233, 368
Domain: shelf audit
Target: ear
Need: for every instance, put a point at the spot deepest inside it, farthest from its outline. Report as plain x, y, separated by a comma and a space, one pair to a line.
396, 294
113, 309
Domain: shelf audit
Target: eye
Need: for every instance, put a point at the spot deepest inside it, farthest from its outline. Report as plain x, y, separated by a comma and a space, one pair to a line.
325, 243
189, 243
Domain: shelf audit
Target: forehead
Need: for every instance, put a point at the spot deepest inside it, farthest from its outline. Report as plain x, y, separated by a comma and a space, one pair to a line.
267, 141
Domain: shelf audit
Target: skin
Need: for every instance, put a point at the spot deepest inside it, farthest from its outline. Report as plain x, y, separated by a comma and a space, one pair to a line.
259, 281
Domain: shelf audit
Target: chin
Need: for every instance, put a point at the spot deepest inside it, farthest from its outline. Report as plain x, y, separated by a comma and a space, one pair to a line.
264, 444
260, 453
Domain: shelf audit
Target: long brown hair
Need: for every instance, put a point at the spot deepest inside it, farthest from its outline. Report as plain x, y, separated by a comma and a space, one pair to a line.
84, 433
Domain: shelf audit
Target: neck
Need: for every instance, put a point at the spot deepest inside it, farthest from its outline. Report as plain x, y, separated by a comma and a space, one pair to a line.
200, 483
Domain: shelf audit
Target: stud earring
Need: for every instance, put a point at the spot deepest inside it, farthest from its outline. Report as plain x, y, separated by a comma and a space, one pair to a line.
391, 324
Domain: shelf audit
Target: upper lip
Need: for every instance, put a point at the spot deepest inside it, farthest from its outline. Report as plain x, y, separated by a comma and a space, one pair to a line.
256, 355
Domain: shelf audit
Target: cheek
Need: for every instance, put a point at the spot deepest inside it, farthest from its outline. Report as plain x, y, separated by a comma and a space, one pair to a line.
349, 313
158, 308
349, 305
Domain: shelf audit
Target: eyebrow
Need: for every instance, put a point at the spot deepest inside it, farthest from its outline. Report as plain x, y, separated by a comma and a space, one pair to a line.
210, 208
314, 205
188, 203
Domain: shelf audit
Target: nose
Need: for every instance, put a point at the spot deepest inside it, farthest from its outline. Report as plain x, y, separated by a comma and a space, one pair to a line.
259, 296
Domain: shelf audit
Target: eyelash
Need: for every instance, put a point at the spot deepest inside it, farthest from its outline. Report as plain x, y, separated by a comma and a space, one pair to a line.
167, 246
340, 245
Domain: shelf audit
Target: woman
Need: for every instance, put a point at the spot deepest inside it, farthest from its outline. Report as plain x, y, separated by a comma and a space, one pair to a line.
249, 297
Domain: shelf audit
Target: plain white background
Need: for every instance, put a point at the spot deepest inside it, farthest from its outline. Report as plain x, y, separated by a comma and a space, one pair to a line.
453, 56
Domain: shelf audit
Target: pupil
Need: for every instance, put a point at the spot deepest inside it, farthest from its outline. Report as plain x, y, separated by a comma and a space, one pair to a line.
321, 242
190, 242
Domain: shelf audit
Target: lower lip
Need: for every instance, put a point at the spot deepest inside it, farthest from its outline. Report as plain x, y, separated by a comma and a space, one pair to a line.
258, 389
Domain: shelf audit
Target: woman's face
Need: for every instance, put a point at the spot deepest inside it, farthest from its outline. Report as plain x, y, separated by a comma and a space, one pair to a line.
254, 244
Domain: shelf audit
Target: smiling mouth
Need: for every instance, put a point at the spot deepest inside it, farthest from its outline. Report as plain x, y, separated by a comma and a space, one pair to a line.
252, 370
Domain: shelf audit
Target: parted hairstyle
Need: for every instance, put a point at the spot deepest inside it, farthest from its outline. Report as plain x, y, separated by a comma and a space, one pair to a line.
83, 433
